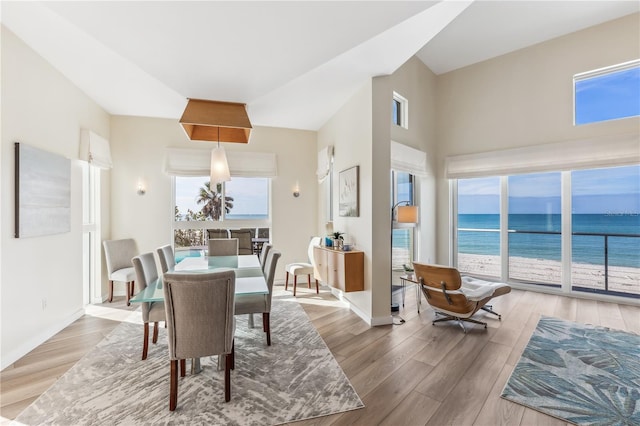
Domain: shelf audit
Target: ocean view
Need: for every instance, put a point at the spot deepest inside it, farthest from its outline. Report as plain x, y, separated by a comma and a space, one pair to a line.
478, 234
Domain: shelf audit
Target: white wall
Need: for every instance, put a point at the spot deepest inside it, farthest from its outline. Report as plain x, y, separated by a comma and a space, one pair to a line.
138, 148
525, 98
361, 132
41, 108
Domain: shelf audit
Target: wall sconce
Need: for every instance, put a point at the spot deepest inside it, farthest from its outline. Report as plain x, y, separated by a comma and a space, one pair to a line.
296, 190
141, 189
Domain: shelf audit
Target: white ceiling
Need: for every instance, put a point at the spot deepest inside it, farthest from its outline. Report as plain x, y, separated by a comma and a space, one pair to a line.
294, 63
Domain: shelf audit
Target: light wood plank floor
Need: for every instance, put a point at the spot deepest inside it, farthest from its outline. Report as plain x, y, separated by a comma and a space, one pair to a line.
409, 374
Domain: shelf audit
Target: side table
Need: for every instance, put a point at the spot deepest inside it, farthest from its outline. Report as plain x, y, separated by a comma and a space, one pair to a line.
413, 280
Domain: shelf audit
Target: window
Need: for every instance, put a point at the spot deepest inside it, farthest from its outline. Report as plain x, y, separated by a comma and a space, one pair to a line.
534, 228
576, 230
479, 226
607, 94
241, 202
402, 242
400, 111
605, 216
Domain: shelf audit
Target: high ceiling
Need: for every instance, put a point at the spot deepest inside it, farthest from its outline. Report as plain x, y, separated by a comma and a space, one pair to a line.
294, 63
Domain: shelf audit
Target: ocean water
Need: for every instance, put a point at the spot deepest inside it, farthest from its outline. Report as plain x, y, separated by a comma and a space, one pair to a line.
623, 248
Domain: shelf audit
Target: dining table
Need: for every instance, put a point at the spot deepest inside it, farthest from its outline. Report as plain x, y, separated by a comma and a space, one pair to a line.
249, 279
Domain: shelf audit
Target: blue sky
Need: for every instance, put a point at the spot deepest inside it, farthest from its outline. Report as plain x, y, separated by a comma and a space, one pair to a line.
607, 97
596, 191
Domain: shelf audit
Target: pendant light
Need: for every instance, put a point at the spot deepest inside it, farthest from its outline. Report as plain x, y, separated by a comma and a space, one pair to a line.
219, 165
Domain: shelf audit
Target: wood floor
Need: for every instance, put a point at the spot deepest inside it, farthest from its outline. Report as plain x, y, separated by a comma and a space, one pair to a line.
409, 374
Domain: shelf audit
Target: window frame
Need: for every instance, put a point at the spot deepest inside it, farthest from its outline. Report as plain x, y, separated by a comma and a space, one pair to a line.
403, 111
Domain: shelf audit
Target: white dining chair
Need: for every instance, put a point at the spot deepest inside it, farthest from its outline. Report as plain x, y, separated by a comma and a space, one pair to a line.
118, 254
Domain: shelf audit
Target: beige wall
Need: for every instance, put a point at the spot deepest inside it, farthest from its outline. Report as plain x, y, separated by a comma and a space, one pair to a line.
40, 108
138, 147
525, 98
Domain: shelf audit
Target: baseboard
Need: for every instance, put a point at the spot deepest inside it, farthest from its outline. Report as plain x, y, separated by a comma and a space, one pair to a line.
38, 339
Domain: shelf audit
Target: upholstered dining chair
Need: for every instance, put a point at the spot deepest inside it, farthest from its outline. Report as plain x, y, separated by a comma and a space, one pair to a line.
302, 268
263, 255
261, 303
218, 233
245, 243
118, 254
166, 257
454, 297
200, 319
223, 247
146, 273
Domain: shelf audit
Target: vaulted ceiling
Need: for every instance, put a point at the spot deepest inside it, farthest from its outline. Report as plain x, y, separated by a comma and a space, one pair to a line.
294, 63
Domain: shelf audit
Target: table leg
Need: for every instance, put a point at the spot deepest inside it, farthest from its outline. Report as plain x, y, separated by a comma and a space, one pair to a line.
251, 321
195, 366
404, 287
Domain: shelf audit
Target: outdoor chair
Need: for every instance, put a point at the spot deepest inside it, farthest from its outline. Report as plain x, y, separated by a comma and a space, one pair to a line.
456, 298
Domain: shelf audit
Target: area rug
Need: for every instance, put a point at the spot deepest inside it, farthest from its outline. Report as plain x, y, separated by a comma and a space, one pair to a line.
295, 378
582, 374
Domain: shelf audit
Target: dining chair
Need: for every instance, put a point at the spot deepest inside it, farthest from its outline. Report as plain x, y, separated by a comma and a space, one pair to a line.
146, 273
263, 255
200, 319
302, 268
167, 258
217, 233
118, 254
261, 303
223, 247
245, 243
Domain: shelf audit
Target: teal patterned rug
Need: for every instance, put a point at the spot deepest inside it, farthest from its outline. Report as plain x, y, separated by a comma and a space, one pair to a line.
579, 373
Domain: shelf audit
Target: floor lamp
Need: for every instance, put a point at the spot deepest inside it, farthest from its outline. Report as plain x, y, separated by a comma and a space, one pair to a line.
406, 214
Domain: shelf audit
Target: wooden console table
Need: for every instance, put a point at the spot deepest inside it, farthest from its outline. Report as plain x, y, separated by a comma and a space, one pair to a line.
340, 269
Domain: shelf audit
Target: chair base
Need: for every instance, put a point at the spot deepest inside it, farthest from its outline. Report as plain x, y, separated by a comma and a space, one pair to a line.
295, 283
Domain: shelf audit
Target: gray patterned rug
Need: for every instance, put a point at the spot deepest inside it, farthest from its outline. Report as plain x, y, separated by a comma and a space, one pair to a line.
579, 373
296, 378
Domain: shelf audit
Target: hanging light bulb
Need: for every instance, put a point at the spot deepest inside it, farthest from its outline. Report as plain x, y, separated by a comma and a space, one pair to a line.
219, 166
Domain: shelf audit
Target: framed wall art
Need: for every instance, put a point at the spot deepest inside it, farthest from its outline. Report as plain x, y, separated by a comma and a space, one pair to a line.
348, 192
42, 192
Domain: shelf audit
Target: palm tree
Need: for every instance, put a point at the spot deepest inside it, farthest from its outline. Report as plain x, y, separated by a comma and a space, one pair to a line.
212, 201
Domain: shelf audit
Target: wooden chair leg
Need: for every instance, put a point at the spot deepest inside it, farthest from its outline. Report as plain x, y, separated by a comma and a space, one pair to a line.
129, 293
266, 326
309, 281
145, 343
233, 354
155, 332
183, 367
110, 291
317, 288
295, 283
173, 391
286, 281
227, 378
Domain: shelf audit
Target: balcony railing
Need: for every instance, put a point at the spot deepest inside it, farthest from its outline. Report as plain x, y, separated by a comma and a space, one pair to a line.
627, 284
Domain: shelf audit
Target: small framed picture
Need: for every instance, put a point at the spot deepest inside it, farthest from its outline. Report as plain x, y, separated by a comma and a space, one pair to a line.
348, 192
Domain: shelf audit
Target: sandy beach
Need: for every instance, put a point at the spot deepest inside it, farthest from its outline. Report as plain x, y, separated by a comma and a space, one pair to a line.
622, 279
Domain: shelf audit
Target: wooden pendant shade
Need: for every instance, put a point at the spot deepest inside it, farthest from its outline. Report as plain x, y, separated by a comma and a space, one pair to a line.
216, 121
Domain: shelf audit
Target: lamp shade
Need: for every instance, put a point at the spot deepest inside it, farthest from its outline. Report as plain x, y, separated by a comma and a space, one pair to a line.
407, 214
219, 166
